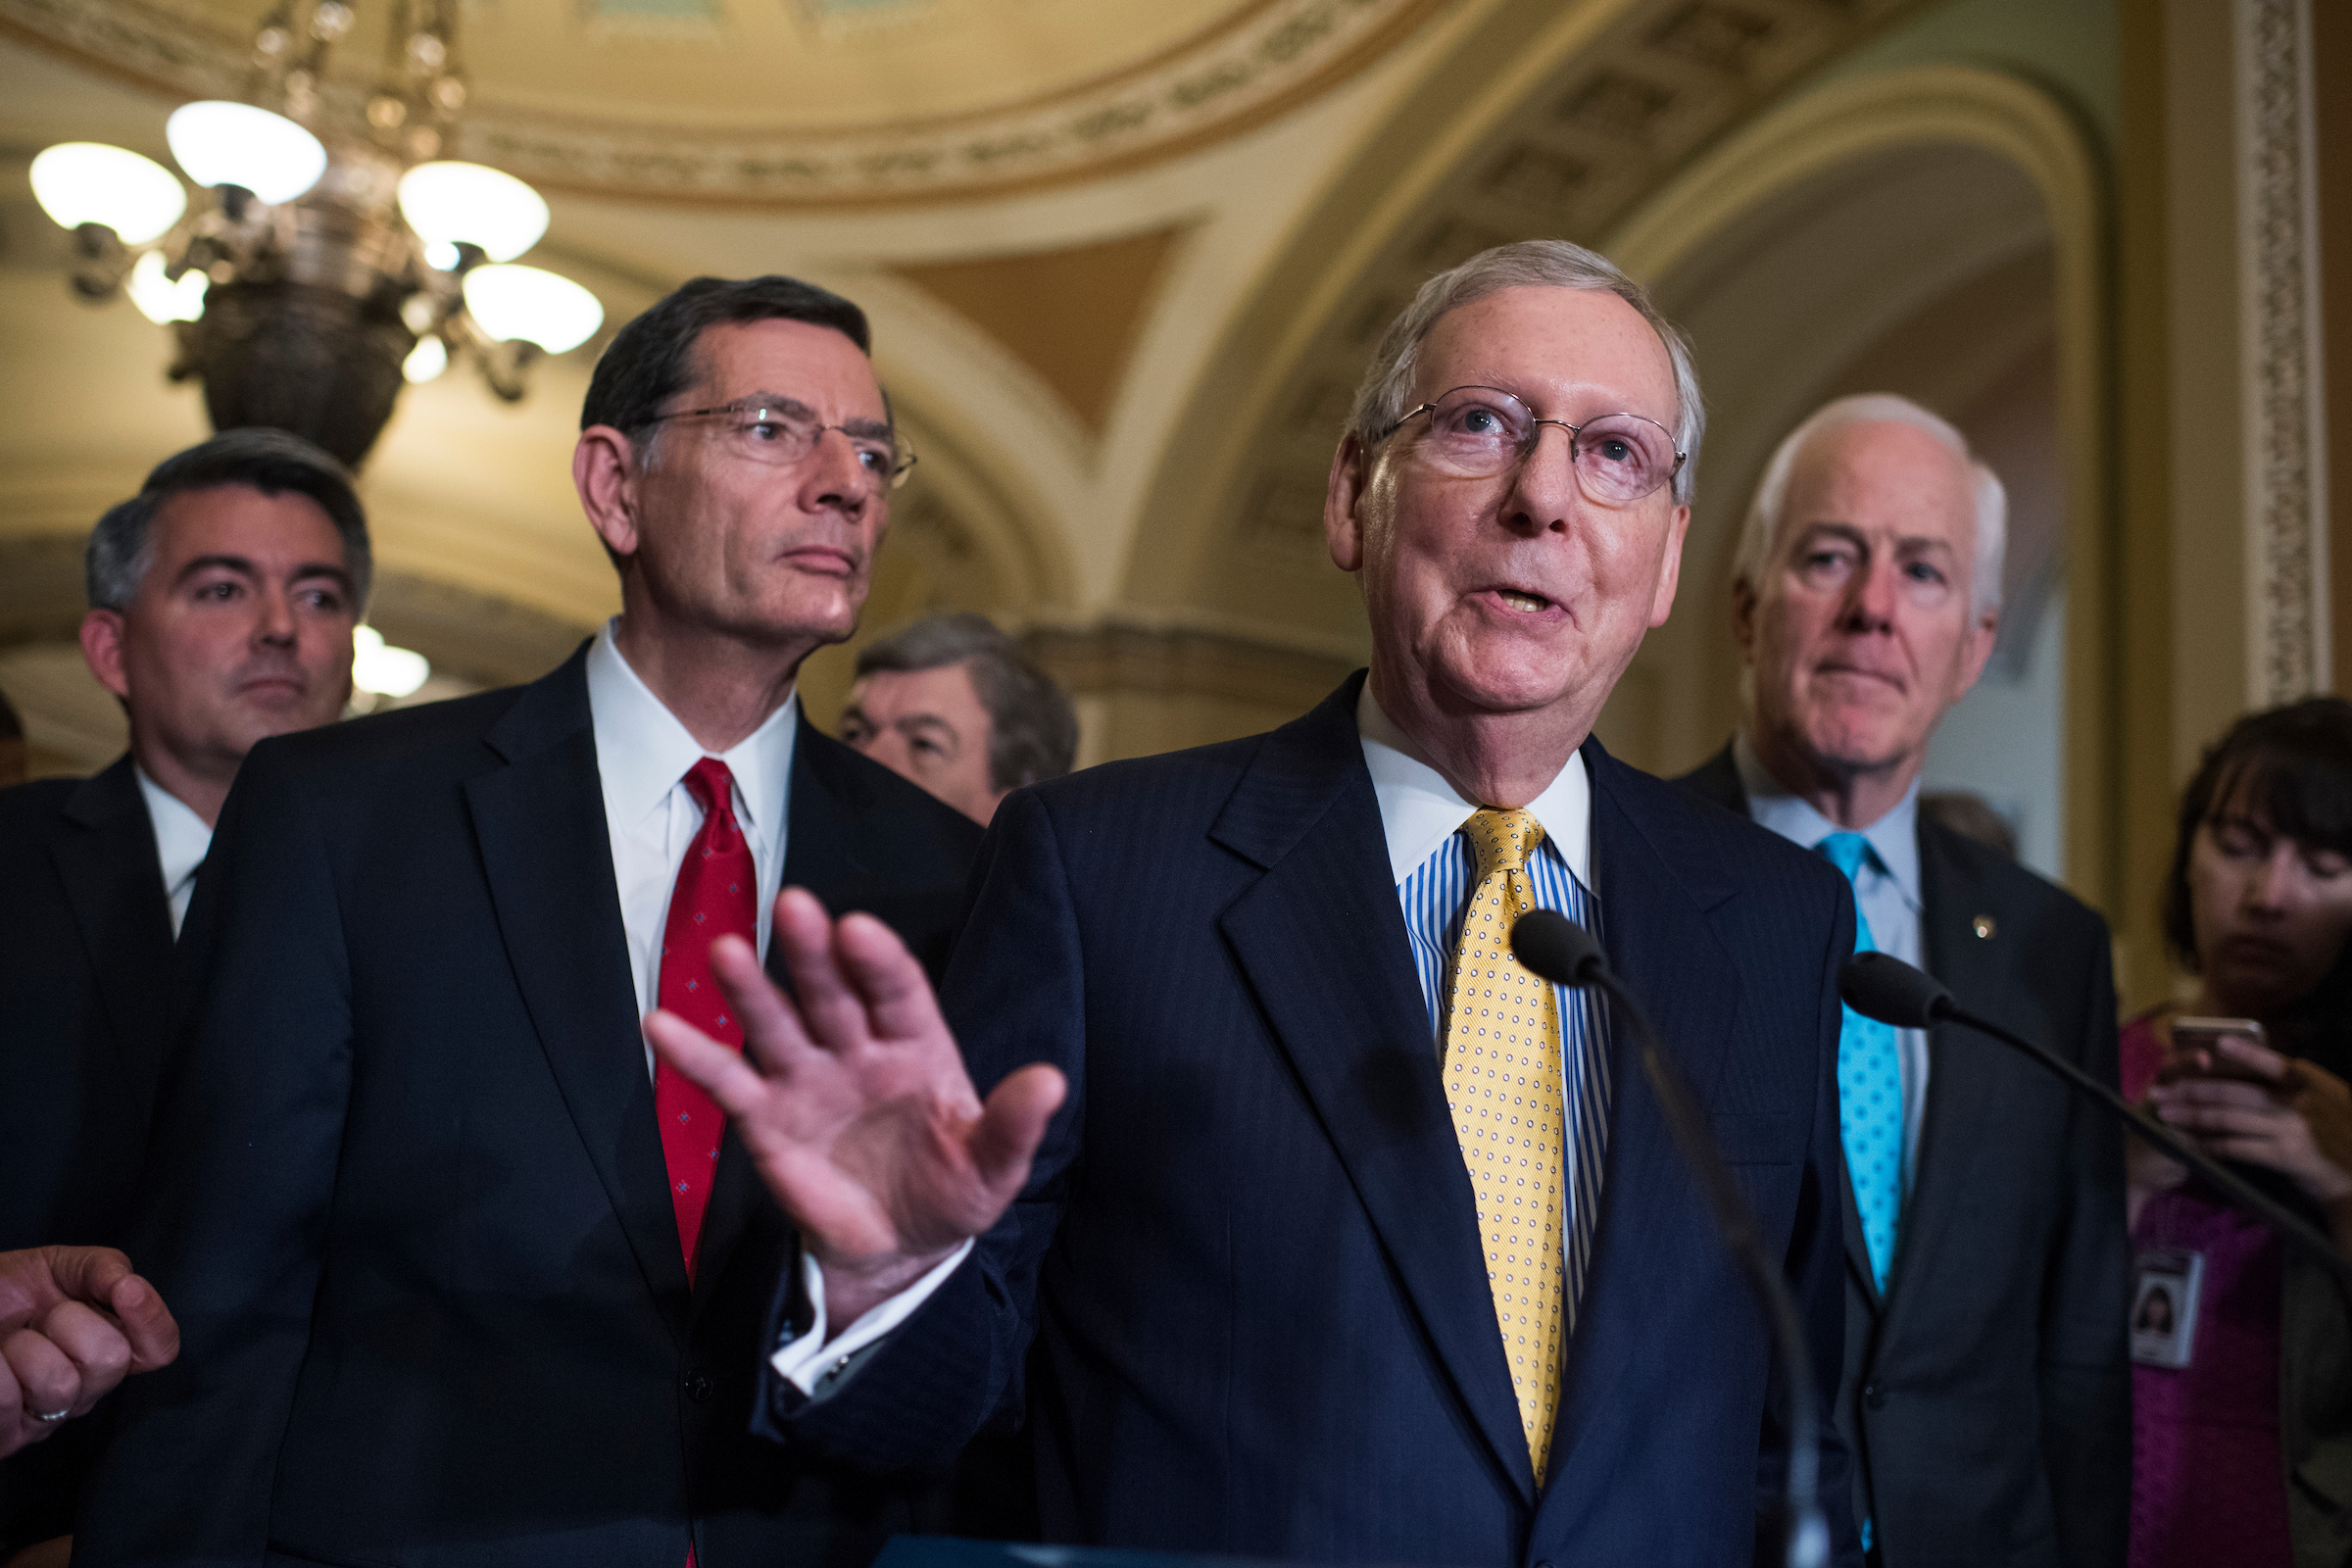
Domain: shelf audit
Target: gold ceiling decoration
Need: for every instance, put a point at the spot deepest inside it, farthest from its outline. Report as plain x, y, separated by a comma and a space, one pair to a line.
1070, 314
765, 103
1634, 103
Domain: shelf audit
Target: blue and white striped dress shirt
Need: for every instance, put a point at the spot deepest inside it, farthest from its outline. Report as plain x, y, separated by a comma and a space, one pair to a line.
1436, 868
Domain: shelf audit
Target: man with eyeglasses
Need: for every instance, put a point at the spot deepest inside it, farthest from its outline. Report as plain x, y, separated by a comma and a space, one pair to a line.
1987, 1394
467, 1277
1324, 1229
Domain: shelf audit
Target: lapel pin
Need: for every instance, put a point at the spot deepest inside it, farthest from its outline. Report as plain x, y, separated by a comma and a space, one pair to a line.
1984, 927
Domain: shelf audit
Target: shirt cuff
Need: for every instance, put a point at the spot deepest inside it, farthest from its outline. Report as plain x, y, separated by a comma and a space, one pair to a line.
809, 1358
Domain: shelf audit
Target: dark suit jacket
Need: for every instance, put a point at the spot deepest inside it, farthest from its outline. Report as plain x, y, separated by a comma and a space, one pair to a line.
407, 1194
85, 961
1987, 1395
1249, 1256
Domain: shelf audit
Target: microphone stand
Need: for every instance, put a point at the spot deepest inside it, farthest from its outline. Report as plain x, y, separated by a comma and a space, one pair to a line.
1808, 1537
2236, 1188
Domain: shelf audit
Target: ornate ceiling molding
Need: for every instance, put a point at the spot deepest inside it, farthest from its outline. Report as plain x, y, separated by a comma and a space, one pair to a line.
1270, 57
2286, 471
1602, 136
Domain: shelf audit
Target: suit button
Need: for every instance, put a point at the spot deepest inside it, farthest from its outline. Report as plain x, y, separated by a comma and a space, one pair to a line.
1874, 1396
696, 1384
1546, 1563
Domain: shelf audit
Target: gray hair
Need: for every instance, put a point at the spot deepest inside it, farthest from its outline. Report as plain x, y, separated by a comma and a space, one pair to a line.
1380, 401
1990, 499
123, 546
1033, 730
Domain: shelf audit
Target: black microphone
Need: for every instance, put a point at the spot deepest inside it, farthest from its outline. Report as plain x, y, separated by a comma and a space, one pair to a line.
1558, 950
1891, 991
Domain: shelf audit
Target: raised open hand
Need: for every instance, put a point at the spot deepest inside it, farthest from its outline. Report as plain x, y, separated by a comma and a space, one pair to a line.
854, 1105
74, 1322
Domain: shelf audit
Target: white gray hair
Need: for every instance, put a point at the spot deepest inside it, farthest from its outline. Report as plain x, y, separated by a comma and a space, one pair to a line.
1380, 401
1758, 534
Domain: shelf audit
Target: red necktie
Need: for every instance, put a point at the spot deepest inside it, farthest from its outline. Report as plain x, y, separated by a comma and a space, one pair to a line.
715, 893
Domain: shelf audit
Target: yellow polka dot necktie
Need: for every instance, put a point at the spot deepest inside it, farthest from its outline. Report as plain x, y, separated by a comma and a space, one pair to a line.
1503, 1080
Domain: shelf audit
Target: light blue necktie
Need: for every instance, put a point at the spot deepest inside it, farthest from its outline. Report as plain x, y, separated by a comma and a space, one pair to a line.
1870, 1087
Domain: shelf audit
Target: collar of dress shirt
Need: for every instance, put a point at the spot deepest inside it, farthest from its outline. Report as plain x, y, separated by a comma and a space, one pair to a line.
642, 751
1419, 811
1895, 836
181, 840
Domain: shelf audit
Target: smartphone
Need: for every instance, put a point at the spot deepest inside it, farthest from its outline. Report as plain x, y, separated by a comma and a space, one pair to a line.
2204, 1035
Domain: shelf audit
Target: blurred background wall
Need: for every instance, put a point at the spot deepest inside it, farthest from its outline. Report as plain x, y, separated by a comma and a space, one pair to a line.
1125, 260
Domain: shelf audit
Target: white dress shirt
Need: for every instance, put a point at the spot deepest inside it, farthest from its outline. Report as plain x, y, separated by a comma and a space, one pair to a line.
1888, 894
1419, 811
642, 757
182, 842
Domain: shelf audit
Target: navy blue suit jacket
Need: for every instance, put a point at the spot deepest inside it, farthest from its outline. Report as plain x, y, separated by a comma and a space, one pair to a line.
1248, 1256
407, 1194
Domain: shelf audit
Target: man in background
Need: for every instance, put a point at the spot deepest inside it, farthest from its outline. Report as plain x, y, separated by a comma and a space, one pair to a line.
950, 703
1986, 1394
462, 1278
221, 600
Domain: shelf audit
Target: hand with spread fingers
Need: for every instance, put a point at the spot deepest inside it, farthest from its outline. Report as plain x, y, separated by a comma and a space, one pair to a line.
74, 1322
852, 1101
2248, 1103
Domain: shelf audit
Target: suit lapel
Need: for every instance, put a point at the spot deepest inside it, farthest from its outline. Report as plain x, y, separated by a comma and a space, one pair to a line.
1653, 916
546, 853
1960, 1076
1718, 780
115, 885
1322, 940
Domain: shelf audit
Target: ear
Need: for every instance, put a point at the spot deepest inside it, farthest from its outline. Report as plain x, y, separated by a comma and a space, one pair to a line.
102, 650
1343, 504
1976, 647
1745, 602
1670, 570
603, 472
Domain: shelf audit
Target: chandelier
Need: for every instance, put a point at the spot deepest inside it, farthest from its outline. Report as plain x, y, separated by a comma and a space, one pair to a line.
333, 257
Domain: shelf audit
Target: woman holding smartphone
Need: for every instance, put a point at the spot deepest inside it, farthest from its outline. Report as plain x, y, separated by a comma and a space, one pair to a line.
2242, 1407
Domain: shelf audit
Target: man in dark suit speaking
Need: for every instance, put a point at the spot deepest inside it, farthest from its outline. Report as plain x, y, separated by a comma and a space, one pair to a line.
462, 1277
1356, 1242
1987, 1396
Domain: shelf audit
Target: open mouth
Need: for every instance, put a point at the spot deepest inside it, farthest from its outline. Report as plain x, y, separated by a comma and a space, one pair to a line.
1513, 599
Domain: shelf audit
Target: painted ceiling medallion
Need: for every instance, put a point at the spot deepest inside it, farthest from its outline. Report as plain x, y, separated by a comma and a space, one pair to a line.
815, 103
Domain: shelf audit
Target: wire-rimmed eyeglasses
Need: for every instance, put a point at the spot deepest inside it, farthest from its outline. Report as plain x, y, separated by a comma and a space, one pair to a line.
783, 434
1481, 431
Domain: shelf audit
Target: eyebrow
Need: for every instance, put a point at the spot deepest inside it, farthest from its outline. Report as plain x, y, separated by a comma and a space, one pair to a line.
873, 429
244, 568
1848, 530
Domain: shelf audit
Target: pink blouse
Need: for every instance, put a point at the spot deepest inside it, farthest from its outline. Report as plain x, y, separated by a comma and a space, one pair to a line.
2209, 1473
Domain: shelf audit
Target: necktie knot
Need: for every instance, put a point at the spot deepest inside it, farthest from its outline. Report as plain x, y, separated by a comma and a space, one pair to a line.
1503, 839
711, 785
1848, 853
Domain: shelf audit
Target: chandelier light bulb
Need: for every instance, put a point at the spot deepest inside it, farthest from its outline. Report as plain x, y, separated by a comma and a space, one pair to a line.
511, 302
450, 202
387, 671
158, 297
80, 182
222, 143
427, 359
